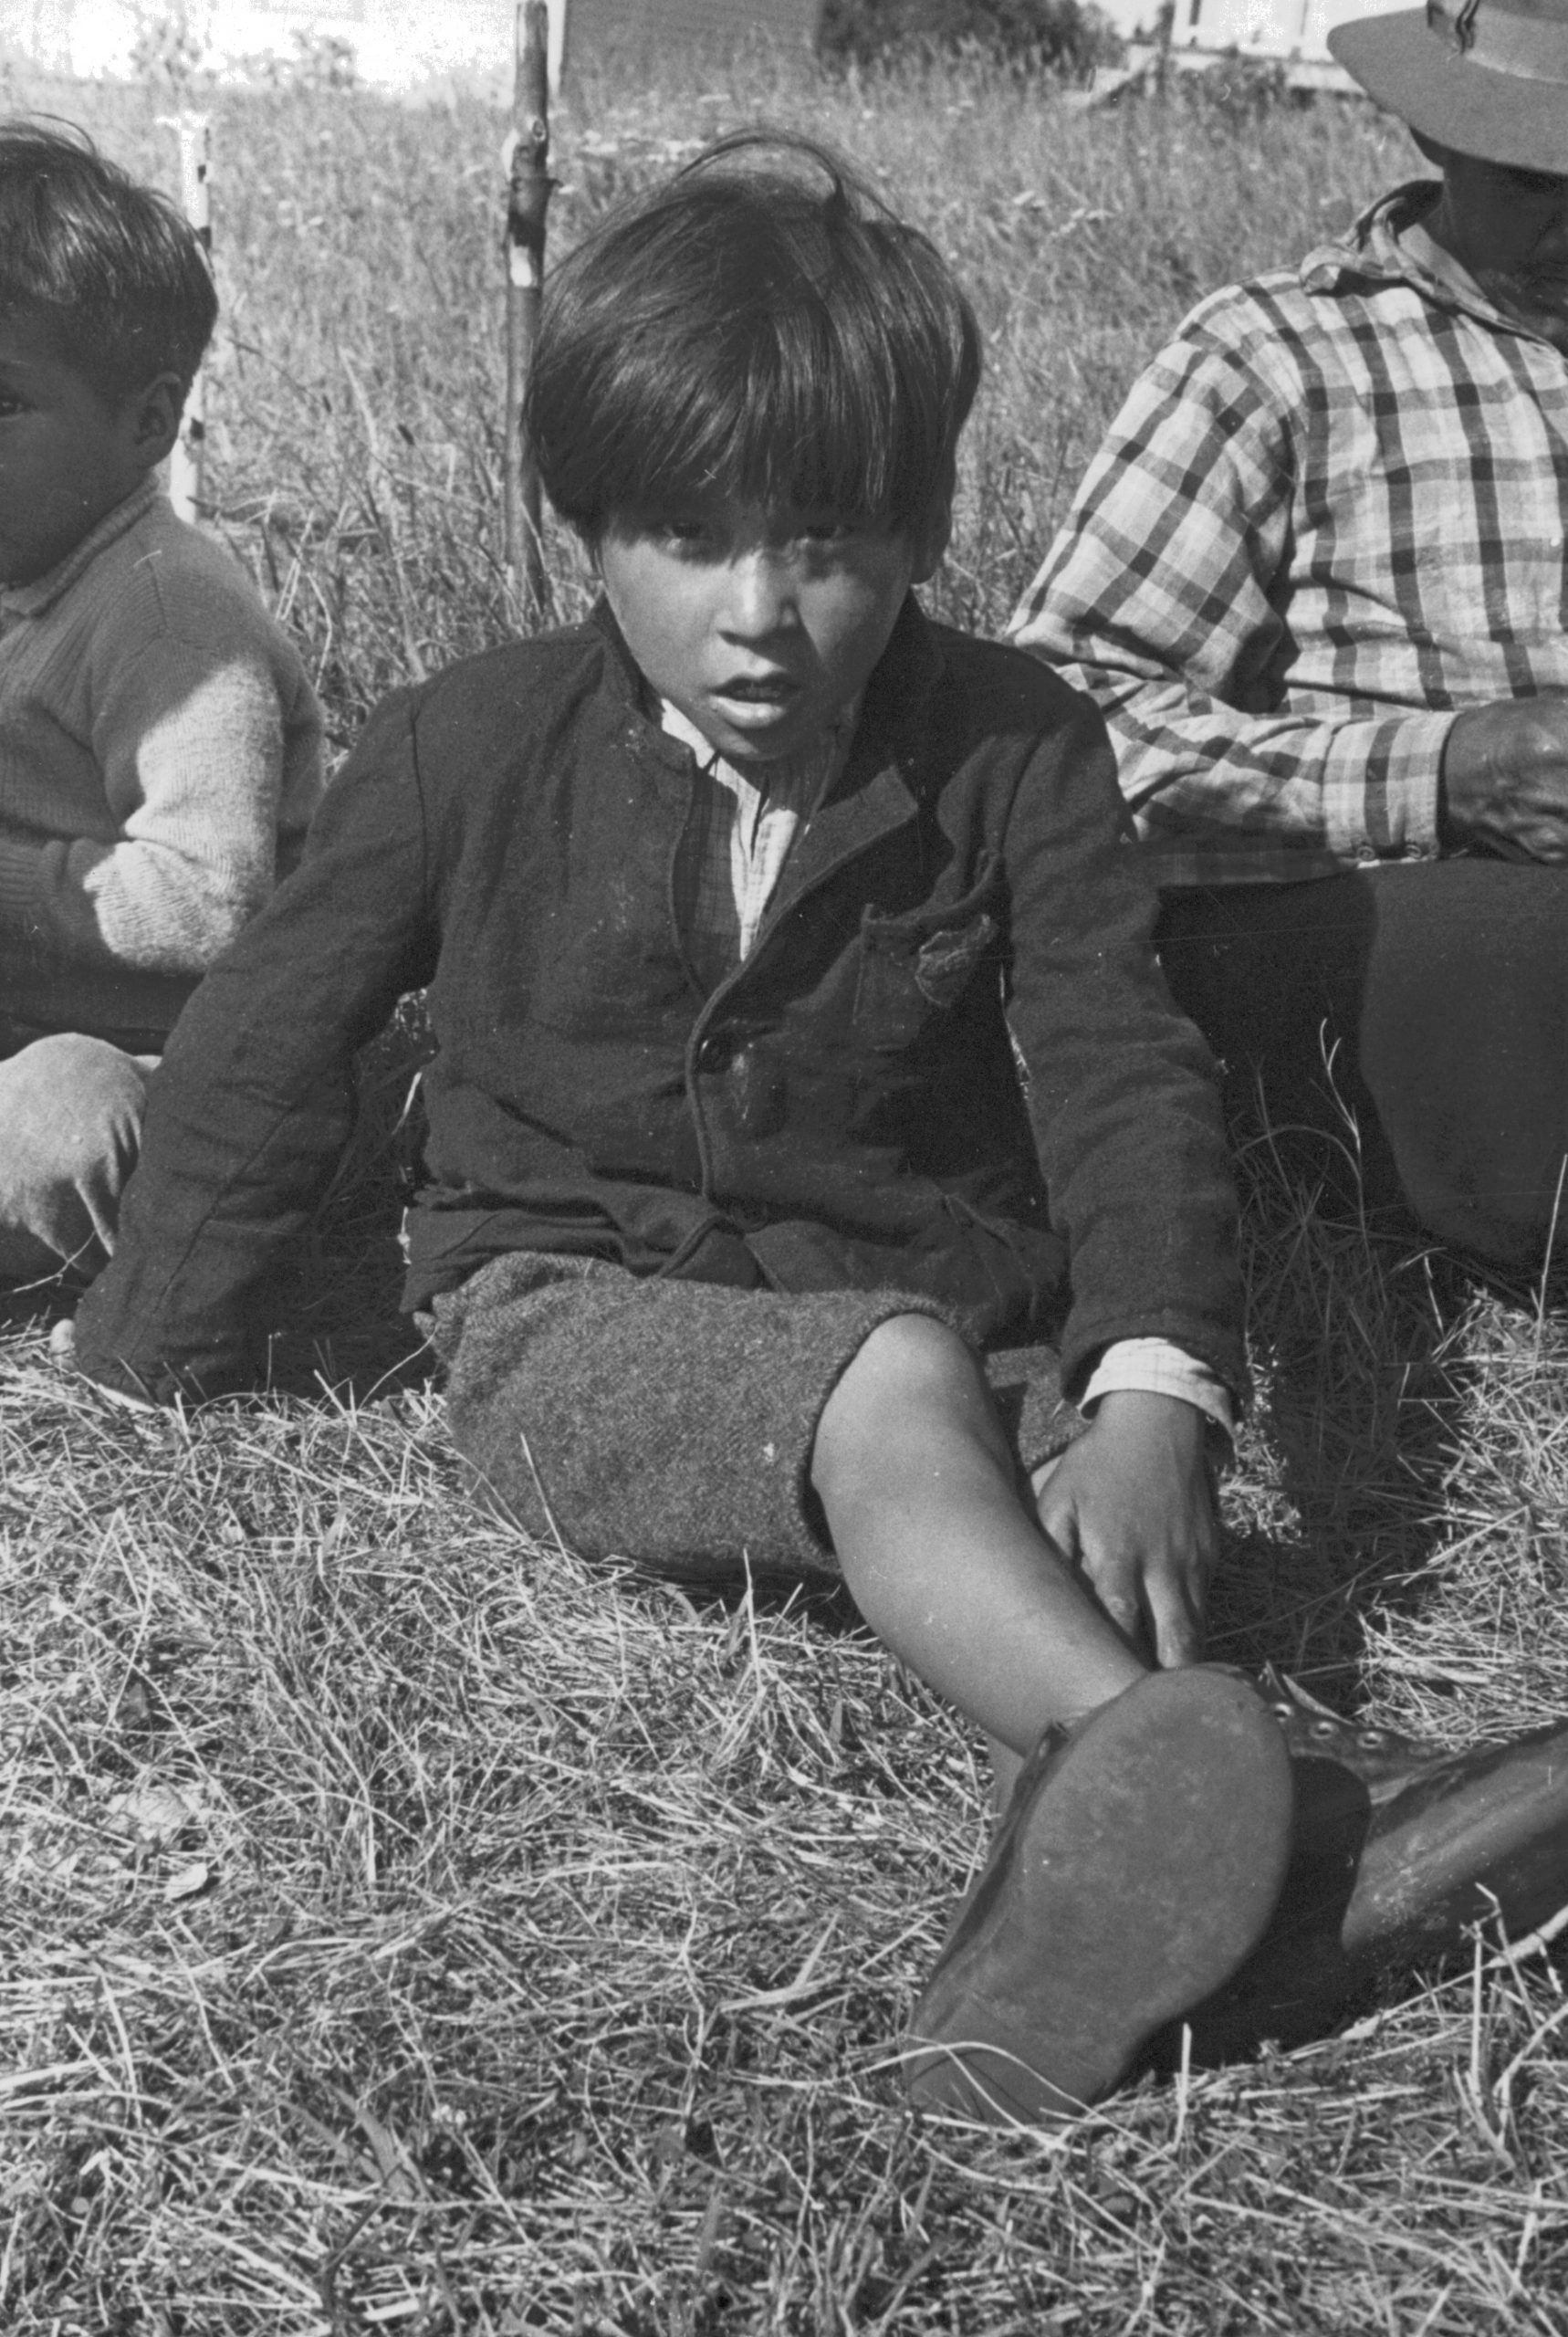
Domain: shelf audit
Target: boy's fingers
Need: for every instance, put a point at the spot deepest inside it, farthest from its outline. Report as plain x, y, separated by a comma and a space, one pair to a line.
1058, 1521
1177, 1634
1116, 1586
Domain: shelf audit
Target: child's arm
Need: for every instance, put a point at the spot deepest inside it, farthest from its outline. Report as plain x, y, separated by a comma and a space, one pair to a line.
1132, 1148
250, 1107
207, 746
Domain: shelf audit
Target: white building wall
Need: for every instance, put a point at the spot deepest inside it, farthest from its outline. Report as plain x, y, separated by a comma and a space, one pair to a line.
1255, 27
394, 44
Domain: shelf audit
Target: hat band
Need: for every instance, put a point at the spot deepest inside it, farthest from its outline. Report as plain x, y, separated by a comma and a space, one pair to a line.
1501, 40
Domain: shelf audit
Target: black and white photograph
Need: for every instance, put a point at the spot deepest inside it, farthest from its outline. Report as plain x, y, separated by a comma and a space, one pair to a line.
784, 1169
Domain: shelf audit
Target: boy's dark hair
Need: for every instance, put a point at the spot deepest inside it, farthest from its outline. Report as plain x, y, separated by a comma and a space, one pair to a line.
761, 327
110, 267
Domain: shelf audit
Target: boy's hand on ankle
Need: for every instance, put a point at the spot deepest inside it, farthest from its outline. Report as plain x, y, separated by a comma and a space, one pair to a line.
1131, 1504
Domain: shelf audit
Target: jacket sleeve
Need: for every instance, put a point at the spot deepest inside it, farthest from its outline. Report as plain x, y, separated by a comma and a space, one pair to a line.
1167, 598
250, 1108
1121, 1087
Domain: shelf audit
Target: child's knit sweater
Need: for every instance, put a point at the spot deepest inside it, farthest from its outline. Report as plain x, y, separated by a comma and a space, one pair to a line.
160, 760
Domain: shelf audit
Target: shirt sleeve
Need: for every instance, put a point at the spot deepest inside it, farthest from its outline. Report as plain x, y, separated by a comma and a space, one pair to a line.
189, 744
1167, 598
252, 1103
1157, 1368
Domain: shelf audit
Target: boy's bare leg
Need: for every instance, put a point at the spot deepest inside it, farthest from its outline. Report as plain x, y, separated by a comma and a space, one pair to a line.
941, 1556
1141, 1857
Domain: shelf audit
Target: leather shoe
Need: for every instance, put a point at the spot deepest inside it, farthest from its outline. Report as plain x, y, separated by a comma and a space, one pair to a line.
1135, 1868
1400, 1848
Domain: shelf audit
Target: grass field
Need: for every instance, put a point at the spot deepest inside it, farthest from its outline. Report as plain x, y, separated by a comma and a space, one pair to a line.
409, 1930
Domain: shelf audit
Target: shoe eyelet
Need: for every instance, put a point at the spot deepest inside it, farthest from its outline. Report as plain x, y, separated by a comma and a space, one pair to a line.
1327, 1729
1372, 1740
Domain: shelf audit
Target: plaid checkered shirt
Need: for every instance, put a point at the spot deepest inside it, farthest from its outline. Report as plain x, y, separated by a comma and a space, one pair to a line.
1331, 514
732, 855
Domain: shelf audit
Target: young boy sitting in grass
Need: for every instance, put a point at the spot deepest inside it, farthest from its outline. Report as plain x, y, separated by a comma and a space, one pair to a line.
731, 905
160, 745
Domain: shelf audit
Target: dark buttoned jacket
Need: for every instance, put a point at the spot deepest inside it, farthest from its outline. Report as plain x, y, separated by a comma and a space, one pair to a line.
948, 1063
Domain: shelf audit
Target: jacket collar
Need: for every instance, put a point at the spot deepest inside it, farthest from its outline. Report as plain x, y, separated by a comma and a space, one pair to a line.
32, 600
876, 790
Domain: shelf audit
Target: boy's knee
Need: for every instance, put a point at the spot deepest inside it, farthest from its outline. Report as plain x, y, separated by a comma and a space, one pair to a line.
911, 1366
70, 1113
913, 1355
69, 1101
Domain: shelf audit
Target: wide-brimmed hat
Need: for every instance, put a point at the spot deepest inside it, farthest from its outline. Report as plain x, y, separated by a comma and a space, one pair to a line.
1484, 77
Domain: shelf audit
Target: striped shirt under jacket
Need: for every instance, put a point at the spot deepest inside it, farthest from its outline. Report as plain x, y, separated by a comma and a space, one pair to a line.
1331, 514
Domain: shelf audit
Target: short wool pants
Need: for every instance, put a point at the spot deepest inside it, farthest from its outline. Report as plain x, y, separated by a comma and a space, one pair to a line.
671, 1423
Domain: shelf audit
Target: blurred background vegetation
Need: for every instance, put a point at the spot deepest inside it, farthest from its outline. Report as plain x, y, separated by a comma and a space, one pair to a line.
356, 387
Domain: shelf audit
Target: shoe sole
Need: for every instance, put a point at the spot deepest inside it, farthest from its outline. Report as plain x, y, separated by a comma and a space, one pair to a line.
1141, 1870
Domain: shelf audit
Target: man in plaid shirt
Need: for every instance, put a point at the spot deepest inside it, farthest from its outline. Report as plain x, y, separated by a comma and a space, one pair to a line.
1315, 580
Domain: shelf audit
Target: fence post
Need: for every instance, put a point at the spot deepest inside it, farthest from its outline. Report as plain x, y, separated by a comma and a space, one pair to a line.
187, 463
528, 186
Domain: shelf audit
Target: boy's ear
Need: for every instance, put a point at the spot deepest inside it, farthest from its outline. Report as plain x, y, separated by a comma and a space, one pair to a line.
155, 418
929, 537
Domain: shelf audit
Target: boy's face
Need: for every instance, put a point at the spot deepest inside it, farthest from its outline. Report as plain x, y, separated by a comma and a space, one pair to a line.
67, 455
761, 627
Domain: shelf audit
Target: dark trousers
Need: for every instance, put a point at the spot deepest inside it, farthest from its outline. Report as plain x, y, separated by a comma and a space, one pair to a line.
1406, 1029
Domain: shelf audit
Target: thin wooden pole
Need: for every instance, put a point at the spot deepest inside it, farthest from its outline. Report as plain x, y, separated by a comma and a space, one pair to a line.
528, 185
187, 464
1164, 28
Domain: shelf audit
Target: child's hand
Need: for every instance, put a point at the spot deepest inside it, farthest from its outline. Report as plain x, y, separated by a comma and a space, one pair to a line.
1131, 1504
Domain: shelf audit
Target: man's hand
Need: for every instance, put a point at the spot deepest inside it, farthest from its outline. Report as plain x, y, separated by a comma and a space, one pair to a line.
1131, 1503
1505, 779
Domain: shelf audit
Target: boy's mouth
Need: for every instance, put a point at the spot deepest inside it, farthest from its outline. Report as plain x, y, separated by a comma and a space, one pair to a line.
758, 689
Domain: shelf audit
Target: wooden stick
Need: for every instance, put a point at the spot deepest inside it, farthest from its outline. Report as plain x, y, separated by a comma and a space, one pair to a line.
1164, 28
529, 184
187, 464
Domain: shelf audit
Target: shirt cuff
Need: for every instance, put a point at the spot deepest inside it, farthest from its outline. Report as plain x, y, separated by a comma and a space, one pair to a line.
1381, 794
1157, 1368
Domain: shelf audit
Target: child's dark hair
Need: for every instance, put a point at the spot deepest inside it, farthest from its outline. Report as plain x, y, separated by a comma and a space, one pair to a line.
113, 270
761, 327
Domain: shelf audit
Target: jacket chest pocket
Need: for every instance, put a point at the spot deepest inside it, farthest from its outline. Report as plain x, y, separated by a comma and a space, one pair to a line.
916, 967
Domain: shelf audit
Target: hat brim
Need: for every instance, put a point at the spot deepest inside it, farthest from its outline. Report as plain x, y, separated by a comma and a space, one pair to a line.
1474, 109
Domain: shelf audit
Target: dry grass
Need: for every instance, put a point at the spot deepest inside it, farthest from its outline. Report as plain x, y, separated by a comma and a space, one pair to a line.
410, 1930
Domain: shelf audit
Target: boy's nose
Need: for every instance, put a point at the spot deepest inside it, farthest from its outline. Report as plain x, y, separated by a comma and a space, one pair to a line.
761, 598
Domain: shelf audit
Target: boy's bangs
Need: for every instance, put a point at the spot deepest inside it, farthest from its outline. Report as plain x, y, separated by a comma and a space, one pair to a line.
782, 425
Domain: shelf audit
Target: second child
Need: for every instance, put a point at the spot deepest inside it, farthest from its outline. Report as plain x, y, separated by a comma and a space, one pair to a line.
159, 742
